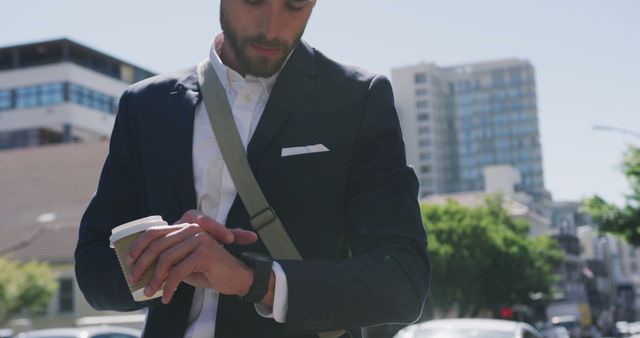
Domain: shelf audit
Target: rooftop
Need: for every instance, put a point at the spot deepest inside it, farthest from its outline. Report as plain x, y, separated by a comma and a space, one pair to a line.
65, 50
44, 193
476, 199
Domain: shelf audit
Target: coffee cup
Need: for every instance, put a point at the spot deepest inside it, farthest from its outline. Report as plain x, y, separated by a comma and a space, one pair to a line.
122, 237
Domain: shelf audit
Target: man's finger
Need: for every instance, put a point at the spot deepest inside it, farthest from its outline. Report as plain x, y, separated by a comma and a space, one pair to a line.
171, 258
189, 216
141, 243
158, 246
218, 231
243, 237
177, 274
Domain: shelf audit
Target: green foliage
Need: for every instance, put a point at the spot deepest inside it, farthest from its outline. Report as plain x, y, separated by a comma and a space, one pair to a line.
483, 258
24, 287
623, 221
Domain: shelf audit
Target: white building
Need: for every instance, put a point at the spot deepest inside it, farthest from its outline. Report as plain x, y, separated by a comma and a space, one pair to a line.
500, 180
59, 91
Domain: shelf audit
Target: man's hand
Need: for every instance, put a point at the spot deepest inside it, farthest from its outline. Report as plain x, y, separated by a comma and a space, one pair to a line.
191, 251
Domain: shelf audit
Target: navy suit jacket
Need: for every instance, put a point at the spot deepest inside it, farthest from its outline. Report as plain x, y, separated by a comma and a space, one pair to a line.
352, 212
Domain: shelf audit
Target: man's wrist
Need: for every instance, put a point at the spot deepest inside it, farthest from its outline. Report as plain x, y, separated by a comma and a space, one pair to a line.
278, 309
268, 298
262, 281
247, 280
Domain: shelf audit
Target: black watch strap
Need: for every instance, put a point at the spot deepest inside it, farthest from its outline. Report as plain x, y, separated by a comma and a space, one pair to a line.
262, 265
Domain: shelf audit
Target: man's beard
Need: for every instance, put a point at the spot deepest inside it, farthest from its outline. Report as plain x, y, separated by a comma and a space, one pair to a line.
257, 66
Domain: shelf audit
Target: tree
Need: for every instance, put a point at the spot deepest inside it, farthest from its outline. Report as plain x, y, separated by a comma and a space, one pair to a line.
482, 258
623, 221
24, 287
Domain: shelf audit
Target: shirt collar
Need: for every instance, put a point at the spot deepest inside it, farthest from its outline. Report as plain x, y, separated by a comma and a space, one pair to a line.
229, 77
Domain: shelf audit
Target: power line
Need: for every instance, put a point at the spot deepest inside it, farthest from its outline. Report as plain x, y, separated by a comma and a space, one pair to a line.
617, 130
37, 233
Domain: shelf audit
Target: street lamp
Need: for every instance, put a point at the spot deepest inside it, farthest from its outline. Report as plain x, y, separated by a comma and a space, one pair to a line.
617, 130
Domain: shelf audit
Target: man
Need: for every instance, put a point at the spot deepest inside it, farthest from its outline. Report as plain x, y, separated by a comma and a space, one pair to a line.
347, 200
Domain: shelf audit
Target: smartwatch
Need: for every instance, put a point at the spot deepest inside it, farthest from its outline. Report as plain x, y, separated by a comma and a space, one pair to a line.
261, 265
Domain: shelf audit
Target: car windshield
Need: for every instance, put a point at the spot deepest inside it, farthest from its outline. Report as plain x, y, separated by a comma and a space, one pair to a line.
470, 333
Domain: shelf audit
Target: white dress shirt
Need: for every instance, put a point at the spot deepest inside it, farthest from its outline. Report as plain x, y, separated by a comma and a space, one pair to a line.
214, 187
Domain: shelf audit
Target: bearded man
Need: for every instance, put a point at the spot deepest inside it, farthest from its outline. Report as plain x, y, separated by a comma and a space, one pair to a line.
324, 143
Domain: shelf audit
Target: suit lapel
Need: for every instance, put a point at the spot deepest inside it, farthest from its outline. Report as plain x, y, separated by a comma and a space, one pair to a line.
293, 84
184, 98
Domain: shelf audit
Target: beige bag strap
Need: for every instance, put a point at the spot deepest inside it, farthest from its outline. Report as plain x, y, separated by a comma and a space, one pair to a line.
262, 217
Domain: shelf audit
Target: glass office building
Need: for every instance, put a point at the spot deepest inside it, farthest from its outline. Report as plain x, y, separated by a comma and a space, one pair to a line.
458, 120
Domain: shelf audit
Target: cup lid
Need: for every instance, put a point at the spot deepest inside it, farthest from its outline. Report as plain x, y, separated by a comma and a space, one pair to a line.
132, 227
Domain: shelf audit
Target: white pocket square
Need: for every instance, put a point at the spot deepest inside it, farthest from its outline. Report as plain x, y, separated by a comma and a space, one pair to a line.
316, 148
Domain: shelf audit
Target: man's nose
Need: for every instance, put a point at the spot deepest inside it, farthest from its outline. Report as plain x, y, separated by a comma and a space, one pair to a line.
271, 21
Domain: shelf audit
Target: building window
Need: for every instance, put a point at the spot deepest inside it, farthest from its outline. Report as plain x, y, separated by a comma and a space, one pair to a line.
27, 97
65, 295
465, 86
5, 100
54, 93
498, 77
114, 105
423, 117
141, 75
425, 169
78, 95
92, 99
420, 78
421, 92
422, 104
423, 130
424, 143
51, 93
515, 75
425, 156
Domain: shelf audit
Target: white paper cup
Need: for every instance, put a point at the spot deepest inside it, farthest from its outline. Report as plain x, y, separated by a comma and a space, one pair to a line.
121, 239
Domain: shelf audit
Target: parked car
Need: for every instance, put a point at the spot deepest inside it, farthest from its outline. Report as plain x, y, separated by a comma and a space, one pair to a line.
557, 332
6, 333
469, 328
571, 323
103, 331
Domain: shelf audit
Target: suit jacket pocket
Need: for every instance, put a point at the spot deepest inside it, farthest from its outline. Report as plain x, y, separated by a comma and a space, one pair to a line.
333, 157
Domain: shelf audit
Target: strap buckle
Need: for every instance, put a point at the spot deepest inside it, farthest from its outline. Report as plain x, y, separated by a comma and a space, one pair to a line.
263, 218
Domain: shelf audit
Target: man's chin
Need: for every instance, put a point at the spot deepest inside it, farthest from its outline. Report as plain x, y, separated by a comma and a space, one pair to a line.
264, 68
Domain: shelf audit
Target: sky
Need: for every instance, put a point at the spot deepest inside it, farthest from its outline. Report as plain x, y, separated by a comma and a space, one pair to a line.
586, 54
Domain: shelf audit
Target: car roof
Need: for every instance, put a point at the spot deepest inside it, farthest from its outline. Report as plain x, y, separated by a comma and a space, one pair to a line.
470, 323
91, 330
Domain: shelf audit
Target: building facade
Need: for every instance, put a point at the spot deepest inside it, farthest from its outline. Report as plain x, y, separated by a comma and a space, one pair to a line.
59, 91
500, 181
53, 92
458, 120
